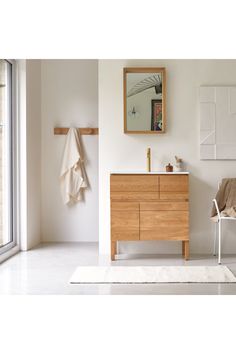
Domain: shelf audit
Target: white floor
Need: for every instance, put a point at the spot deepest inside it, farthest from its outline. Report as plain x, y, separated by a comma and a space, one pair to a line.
48, 268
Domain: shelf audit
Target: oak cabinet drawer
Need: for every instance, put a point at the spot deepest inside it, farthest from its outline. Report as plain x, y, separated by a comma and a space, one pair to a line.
164, 225
124, 225
134, 196
164, 205
174, 183
174, 196
135, 183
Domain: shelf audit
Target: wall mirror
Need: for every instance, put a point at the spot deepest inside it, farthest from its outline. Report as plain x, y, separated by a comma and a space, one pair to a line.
144, 100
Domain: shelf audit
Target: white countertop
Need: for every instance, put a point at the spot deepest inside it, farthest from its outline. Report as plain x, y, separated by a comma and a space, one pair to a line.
147, 173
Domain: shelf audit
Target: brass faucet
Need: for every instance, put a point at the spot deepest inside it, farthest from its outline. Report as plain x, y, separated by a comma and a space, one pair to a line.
149, 160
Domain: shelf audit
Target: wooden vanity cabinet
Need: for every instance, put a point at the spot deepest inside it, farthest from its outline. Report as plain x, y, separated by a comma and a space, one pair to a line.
149, 207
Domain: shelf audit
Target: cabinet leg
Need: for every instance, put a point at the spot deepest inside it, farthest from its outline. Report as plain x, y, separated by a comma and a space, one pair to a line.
186, 250
183, 248
113, 250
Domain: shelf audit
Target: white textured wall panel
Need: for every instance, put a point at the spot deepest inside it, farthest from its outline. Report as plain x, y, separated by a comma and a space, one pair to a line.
207, 94
217, 123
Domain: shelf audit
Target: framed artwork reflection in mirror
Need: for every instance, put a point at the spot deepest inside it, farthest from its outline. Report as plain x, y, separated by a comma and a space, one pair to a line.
144, 100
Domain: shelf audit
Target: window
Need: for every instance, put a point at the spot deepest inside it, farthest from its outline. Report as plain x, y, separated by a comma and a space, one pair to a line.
7, 239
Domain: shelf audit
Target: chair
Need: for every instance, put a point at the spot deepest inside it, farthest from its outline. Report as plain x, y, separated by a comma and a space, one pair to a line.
220, 219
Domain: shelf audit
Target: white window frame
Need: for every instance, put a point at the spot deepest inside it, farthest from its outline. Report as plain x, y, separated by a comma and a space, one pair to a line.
13, 246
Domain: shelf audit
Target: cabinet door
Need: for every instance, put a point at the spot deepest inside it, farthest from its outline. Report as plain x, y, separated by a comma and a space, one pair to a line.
164, 225
124, 221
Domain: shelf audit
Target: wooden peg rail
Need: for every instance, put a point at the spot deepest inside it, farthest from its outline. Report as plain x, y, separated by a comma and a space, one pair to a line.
83, 131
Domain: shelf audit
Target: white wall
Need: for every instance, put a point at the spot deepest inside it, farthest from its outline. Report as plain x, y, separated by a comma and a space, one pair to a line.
69, 98
33, 145
118, 151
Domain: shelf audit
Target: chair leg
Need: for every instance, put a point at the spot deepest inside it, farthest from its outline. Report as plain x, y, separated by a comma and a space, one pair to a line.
215, 237
219, 236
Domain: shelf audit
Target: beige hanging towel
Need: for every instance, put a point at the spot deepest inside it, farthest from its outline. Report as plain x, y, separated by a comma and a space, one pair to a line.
73, 178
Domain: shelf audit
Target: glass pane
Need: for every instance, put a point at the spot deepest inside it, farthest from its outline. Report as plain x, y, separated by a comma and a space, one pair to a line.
5, 152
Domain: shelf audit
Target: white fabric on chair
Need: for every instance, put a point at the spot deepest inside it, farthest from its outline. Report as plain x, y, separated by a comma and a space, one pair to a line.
73, 176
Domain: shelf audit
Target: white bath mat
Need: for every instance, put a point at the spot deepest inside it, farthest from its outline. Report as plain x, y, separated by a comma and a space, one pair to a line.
152, 274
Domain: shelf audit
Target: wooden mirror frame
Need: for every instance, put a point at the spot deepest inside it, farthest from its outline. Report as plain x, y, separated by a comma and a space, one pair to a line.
145, 70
